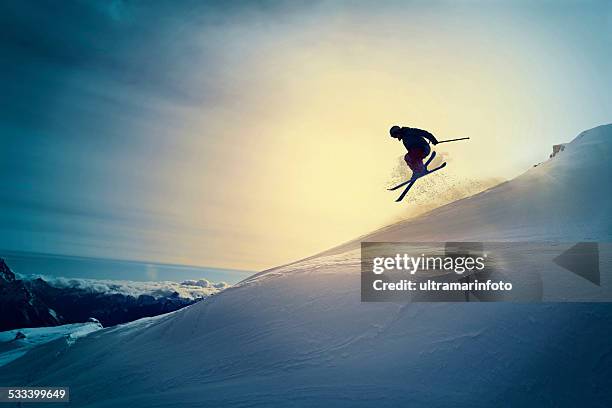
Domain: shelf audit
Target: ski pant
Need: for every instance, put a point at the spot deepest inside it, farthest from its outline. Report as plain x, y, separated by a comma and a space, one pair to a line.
414, 157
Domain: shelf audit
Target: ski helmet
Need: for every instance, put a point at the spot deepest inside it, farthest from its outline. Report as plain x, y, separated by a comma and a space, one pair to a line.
394, 131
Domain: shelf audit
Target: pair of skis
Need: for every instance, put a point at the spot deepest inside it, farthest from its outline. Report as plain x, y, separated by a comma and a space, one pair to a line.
409, 183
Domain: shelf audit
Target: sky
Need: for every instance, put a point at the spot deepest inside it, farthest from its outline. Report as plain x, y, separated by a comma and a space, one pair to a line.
251, 134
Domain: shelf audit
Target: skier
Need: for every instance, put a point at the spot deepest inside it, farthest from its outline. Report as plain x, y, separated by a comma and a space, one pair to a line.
415, 141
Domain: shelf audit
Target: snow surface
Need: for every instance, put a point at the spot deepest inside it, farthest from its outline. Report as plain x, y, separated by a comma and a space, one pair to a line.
11, 348
299, 336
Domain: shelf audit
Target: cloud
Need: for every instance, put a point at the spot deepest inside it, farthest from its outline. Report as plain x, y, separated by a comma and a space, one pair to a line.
204, 283
189, 289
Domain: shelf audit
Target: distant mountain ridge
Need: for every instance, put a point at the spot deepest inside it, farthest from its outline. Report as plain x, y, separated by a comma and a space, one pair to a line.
36, 303
19, 307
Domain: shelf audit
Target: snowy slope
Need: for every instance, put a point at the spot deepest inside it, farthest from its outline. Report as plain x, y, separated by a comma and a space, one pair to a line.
298, 335
565, 198
12, 348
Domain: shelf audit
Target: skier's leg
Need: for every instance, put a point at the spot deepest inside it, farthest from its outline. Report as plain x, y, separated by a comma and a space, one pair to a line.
426, 149
414, 160
411, 162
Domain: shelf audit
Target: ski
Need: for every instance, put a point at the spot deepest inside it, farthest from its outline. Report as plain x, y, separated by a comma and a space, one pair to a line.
401, 197
411, 181
401, 184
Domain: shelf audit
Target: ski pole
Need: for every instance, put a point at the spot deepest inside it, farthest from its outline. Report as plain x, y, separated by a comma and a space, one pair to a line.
453, 140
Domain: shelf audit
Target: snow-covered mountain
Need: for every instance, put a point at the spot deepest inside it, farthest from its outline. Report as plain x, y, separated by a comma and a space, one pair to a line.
19, 306
298, 335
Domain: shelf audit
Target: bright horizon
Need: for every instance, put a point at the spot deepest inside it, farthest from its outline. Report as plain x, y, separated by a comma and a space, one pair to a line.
252, 136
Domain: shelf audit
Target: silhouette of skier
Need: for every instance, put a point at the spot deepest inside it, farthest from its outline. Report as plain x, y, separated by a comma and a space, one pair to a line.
416, 142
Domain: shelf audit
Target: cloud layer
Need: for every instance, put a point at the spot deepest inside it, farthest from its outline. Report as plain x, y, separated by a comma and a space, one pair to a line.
188, 289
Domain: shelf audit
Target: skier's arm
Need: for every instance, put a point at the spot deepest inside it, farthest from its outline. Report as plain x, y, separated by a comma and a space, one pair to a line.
430, 137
